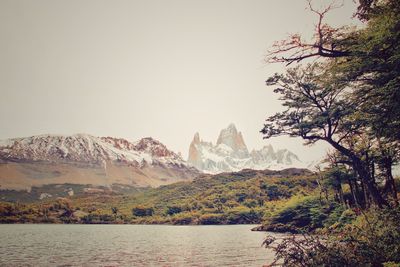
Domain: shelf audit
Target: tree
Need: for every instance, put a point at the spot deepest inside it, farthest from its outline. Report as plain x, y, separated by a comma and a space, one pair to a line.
318, 108
350, 97
387, 155
366, 59
334, 179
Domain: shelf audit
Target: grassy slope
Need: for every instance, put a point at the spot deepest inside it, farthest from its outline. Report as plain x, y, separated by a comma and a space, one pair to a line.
243, 197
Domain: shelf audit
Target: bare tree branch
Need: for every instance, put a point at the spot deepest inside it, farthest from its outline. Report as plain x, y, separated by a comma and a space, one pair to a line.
294, 49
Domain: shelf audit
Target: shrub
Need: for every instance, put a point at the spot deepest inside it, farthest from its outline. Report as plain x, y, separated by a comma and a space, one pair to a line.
184, 218
171, 210
243, 216
212, 219
250, 203
97, 219
241, 196
306, 215
371, 240
142, 211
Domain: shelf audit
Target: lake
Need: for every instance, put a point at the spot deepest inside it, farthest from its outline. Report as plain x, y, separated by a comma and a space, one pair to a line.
131, 245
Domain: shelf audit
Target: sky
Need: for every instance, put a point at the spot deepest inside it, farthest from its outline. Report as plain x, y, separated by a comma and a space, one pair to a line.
133, 69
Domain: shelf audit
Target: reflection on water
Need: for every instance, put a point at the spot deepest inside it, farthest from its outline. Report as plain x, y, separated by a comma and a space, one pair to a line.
131, 245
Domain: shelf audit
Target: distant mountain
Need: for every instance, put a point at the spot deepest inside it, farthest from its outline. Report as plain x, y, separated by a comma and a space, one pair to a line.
86, 159
230, 153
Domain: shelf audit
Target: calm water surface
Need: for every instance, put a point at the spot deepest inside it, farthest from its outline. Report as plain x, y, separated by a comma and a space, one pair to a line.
131, 245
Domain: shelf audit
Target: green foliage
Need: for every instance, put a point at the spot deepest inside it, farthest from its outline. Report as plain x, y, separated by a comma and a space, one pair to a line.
305, 215
243, 197
185, 218
316, 105
335, 177
243, 216
97, 219
371, 240
378, 57
212, 219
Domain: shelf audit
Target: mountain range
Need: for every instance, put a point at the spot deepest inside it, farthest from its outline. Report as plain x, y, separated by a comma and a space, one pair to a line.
230, 153
86, 159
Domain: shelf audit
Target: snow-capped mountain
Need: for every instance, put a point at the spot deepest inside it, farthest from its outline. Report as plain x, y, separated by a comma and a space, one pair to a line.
231, 154
88, 149
83, 158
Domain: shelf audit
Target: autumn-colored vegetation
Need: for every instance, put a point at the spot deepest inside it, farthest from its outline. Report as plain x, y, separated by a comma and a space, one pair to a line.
230, 198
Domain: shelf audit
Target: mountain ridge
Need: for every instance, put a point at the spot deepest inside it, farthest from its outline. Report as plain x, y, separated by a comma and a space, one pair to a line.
85, 148
86, 159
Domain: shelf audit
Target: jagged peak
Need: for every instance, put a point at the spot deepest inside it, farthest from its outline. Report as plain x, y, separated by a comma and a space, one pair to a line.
196, 138
230, 130
232, 127
154, 148
232, 138
268, 147
150, 141
230, 154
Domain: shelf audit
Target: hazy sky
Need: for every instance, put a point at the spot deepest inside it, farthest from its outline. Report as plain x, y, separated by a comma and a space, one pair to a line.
133, 69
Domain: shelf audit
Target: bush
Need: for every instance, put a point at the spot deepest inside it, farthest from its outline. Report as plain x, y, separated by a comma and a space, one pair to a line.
171, 210
212, 219
184, 219
243, 216
304, 216
371, 240
97, 219
142, 211
241, 196
250, 203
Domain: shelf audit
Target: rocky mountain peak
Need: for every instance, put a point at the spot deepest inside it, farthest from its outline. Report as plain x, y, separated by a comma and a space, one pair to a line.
230, 154
196, 138
232, 138
285, 156
154, 148
194, 155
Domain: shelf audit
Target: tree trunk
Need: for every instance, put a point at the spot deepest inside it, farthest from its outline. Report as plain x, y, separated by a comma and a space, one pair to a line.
391, 181
340, 193
370, 184
359, 193
353, 192
365, 194
363, 172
